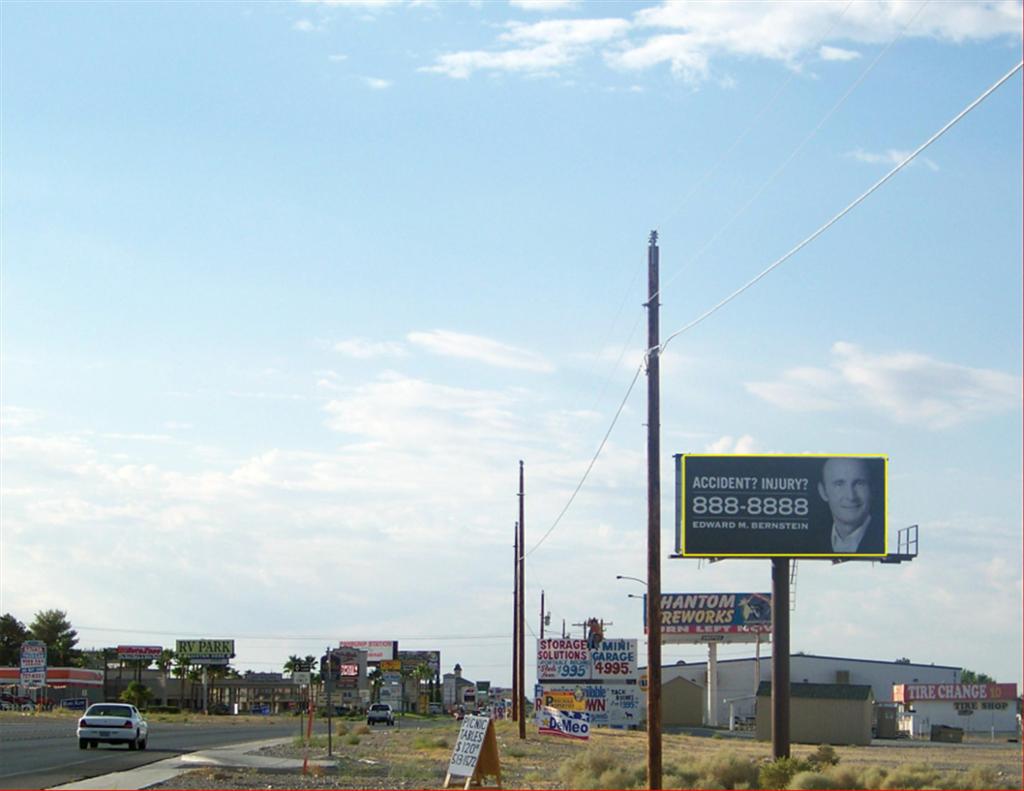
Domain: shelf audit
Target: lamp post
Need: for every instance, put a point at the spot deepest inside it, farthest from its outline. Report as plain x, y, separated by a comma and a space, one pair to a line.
635, 579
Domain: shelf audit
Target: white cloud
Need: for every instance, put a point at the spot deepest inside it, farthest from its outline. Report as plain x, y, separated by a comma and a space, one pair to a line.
837, 53
543, 5
890, 157
362, 349
544, 46
475, 347
306, 26
905, 387
786, 32
337, 57
12, 417
377, 84
730, 444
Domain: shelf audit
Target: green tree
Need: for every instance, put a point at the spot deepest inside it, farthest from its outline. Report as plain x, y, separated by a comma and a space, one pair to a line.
12, 634
294, 664
180, 671
971, 677
376, 677
137, 693
54, 629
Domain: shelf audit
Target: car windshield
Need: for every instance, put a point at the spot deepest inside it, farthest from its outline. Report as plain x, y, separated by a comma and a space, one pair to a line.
109, 711
379, 707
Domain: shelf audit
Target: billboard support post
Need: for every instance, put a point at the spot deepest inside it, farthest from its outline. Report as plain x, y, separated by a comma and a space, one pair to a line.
713, 684
653, 522
780, 658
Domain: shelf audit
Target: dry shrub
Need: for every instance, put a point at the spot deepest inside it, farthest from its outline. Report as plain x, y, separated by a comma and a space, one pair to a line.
362, 730
342, 729
352, 739
598, 768
912, 776
675, 776
846, 777
727, 771
978, 777
812, 779
779, 773
824, 756
424, 741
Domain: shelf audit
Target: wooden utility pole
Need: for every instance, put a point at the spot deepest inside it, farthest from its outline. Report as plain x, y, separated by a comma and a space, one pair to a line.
522, 607
653, 522
516, 692
780, 657
542, 615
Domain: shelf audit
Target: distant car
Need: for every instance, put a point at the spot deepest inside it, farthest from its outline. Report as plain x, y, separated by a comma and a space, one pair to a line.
380, 712
112, 723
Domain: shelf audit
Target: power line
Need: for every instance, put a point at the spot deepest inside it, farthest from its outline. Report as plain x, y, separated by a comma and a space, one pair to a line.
292, 638
785, 163
845, 211
590, 466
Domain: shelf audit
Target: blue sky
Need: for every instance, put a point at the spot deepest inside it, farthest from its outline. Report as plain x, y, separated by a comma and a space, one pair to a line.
290, 288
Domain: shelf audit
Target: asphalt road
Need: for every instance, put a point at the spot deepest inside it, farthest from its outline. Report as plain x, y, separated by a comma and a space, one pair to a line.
41, 752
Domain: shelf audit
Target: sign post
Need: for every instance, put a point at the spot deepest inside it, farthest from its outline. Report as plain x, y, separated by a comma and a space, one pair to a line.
476, 753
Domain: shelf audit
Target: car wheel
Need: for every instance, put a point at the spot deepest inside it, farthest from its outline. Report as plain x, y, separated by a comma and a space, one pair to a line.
83, 743
142, 744
134, 743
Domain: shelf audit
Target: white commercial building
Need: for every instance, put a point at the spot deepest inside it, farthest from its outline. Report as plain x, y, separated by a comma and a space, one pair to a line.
738, 679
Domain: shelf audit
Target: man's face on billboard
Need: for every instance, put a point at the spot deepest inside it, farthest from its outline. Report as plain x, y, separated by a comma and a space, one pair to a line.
847, 490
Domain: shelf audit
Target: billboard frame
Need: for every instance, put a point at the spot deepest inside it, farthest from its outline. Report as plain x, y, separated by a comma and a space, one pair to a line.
681, 502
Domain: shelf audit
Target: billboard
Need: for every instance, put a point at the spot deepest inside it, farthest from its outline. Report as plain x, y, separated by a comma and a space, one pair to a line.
411, 659
32, 663
139, 653
824, 506
205, 652
376, 650
571, 659
347, 667
694, 616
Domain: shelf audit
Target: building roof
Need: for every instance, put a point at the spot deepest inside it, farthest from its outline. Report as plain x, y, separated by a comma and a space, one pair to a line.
821, 691
767, 657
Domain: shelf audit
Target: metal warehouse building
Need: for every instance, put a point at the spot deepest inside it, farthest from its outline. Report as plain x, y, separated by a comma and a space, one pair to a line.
739, 679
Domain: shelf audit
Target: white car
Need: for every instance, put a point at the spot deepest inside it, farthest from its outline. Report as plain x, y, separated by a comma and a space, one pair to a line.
112, 723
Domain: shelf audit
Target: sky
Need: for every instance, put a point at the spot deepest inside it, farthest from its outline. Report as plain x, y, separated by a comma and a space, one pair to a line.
290, 289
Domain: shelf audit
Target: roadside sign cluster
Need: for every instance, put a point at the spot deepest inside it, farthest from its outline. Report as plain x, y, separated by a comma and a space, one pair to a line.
33, 663
596, 678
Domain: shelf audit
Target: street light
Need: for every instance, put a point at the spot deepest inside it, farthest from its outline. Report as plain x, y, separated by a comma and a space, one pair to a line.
635, 596
635, 579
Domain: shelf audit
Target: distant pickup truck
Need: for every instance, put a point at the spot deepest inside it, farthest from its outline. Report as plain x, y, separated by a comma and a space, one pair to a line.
380, 712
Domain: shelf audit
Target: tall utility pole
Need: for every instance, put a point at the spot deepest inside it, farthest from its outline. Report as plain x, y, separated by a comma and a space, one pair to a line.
516, 692
522, 607
653, 522
780, 658
542, 615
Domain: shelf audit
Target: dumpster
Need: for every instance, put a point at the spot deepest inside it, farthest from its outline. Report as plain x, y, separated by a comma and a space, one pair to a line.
944, 733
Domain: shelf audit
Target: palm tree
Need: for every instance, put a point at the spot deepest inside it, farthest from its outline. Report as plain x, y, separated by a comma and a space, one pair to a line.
163, 664
293, 664
376, 677
423, 674
137, 693
181, 668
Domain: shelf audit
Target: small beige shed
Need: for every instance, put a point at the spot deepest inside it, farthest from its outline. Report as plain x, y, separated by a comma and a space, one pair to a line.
820, 713
682, 703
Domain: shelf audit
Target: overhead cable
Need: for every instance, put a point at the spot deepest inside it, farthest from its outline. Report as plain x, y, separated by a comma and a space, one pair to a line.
910, 158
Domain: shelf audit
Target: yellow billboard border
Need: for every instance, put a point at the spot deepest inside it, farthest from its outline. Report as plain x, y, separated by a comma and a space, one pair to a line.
681, 510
